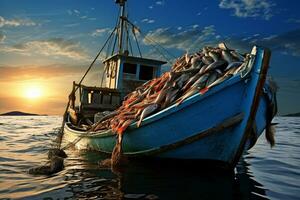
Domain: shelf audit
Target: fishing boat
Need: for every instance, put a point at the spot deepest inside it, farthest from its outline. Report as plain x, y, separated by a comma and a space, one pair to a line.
216, 125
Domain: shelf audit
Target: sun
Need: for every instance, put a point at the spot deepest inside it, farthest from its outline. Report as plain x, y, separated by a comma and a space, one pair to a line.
33, 92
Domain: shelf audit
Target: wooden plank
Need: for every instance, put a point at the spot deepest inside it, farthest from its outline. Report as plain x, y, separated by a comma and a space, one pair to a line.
134, 59
215, 129
105, 90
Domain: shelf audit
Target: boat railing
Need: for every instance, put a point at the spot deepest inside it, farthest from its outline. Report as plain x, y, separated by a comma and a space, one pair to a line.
95, 99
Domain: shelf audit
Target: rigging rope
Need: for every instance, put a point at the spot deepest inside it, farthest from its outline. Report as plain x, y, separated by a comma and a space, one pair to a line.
130, 43
137, 44
116, 33
155, 45
60, 134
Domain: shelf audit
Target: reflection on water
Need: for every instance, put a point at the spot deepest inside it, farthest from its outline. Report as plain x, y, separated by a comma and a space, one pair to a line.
24, 144
84, 180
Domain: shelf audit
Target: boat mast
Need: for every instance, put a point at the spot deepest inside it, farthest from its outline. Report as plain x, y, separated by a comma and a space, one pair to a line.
121, 25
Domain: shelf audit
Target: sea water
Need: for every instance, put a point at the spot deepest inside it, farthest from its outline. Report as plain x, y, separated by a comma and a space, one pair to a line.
262, 173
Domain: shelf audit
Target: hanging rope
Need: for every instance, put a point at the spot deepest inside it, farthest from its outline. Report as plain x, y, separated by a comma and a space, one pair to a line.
60, 133
89, 68
116, 33
152, 42
108, 47
127, 38
130, 43
137, 43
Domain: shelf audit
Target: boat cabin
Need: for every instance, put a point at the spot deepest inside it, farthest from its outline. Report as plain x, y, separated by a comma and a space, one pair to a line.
125, 73
122, 75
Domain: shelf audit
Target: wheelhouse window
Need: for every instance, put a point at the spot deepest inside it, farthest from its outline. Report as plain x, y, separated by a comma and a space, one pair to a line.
146, 72
129, 68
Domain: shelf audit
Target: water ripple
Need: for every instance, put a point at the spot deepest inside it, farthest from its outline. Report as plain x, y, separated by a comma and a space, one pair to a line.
264, 173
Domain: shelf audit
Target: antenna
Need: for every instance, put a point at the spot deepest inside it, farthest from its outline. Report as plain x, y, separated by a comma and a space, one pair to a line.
121, 25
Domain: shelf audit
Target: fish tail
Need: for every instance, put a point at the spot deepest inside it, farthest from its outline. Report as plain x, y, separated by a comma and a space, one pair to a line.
120, 130
125, 126
270, 134
139, 122
179, 101
204, 90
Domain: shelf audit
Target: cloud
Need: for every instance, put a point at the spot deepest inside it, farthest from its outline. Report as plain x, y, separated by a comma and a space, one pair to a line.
100, 31
2, 37
293, 20
69, 12
160, 3
286, 43
148, 21
157, 3
202, 11
73, 12
49, 47
191, 39
72, 25
14, 73
81, 15
16, 22
249, 8
76, 11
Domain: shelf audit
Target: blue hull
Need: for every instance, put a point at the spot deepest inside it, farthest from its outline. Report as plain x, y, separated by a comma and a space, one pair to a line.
194, 116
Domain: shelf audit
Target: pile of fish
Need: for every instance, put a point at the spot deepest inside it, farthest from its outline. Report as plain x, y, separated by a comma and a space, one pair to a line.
191, 74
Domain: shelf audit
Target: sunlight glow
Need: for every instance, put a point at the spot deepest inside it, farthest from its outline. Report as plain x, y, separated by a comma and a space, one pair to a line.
33, 92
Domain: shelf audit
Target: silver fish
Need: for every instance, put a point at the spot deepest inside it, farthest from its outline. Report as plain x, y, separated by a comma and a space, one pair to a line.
187, 58
219, 80
189, 93
233, 65
191, 81
240, 68
161, 96
170, 97
200, 82
206, 49
189, 71
207, 60
223, 46
173, 95
228, 57
238, 56
182, 79
215, 65
146, 112
214, 56
196, 62
230, 71
212, 78
220, 73
203, 68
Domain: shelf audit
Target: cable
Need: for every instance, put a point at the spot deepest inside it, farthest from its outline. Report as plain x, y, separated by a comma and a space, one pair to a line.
152, 41
137, 43
60, 135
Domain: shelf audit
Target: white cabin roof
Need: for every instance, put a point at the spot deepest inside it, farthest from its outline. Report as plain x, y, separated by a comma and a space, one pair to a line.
134, 59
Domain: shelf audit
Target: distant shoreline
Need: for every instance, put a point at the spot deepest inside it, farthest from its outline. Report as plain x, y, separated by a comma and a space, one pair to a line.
19, 113
292, 115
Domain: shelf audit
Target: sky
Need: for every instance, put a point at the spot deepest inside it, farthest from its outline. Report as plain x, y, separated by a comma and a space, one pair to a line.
45, 45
